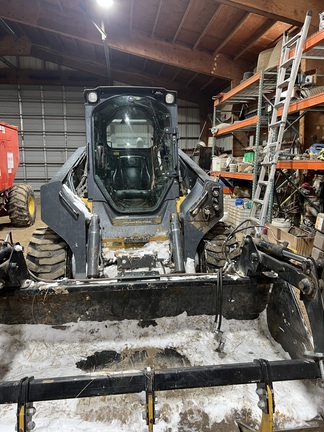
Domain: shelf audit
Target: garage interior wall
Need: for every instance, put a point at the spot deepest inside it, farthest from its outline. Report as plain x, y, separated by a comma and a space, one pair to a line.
51, 125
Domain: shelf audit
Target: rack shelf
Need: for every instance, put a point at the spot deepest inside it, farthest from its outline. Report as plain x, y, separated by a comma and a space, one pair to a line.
248, 90
264, 83
250, 123
301, 164
234, 175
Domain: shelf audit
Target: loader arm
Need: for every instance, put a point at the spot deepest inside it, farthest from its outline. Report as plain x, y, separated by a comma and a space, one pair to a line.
301, 272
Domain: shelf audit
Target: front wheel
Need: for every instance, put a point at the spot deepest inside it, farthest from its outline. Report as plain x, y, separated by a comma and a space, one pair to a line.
22, 205
48, 256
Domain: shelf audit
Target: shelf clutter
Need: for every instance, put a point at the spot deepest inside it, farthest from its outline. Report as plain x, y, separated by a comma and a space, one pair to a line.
240, 131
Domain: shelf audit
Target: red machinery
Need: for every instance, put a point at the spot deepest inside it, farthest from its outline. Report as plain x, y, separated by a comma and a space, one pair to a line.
16, 200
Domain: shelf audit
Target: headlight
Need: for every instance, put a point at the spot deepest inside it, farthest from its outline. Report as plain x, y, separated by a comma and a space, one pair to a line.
169, 98
92, 97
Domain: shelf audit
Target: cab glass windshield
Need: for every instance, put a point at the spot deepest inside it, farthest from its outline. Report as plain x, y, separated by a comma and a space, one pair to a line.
132, 152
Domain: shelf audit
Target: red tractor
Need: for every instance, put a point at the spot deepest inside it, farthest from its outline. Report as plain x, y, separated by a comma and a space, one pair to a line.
16, 200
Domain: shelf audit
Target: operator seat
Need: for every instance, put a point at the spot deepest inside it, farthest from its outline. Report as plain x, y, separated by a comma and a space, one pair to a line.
131, 178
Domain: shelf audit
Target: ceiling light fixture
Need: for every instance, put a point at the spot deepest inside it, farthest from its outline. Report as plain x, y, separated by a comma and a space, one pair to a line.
105, 3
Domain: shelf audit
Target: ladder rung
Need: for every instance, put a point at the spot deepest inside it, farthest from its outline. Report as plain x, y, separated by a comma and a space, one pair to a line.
284, 83
258, 201
279, 105
271, 144
277, 124
292, 41
267, 163
287, 62
263, 183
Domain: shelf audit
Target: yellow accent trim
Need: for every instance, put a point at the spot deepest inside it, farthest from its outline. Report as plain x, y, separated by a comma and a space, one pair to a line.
150, 412
21, 425
87, 203
267, 419
179, 201
119, 243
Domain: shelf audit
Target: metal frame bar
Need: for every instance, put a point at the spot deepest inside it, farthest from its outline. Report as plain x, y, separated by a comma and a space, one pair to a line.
168, 379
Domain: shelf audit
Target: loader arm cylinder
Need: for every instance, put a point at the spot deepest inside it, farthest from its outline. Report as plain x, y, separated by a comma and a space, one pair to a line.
93, 250
177, 244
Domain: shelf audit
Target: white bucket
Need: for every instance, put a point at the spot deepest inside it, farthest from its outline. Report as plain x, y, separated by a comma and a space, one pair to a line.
281, 223
218, 163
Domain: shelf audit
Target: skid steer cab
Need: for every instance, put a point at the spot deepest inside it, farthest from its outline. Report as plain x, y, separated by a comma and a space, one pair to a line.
131, 202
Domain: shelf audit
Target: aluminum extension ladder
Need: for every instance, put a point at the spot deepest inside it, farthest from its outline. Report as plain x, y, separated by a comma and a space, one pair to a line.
291, 53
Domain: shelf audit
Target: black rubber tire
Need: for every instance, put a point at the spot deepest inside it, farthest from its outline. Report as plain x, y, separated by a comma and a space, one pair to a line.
214, 253
22, 205
48, 255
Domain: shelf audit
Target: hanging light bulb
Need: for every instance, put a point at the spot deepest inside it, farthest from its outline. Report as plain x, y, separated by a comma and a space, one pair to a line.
105, 3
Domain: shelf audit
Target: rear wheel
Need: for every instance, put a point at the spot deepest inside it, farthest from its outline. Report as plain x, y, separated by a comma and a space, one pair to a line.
218, 248
22, 205
48, 256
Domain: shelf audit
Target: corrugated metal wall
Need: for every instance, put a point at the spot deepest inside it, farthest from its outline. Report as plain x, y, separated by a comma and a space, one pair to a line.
51, 126
189, 124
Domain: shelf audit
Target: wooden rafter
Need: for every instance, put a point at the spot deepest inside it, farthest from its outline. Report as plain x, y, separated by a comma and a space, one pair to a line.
238, 25
265, 26
131, 17
173, 54
292, 12
194, 76
185, 15
208, 26
156, 18
207, 84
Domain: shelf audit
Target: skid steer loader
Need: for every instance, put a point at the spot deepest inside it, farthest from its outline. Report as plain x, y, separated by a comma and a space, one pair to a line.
134, 231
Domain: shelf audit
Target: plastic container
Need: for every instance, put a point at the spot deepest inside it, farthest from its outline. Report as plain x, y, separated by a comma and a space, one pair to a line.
233, 168
218, 163
239, 201
248, 157
281, 223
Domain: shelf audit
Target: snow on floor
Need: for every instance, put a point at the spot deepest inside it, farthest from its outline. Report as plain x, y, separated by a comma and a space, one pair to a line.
42, 351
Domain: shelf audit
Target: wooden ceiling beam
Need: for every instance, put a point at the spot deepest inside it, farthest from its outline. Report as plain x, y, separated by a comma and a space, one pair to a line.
131, 77
68, 59
157, 50
292, 12
179, 56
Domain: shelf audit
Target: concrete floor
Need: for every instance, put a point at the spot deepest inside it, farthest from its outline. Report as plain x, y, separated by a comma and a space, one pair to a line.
21, 235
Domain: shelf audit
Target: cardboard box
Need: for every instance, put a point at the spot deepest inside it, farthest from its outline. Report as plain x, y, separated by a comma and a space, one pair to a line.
319, 241
319, 224
241, 166
300, 245
317, 254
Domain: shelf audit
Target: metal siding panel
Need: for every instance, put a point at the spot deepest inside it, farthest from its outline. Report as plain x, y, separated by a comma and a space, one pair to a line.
55, 142
32, 141
51, 127
189, 124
